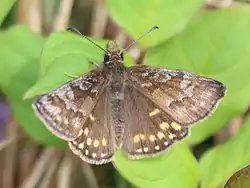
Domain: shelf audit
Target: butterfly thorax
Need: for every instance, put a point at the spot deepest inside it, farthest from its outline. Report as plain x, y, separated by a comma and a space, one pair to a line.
114, 67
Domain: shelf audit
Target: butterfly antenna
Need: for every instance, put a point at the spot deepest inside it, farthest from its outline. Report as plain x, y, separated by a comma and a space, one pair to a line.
142, 36
74, 30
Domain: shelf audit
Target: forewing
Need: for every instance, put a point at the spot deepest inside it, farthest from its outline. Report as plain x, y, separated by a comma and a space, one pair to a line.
65, 109
184, 96
149, 130
95, 143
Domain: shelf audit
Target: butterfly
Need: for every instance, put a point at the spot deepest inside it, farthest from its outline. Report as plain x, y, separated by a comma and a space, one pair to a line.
141, 109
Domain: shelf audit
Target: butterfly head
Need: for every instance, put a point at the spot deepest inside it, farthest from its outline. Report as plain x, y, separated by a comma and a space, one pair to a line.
113, 47
113, 54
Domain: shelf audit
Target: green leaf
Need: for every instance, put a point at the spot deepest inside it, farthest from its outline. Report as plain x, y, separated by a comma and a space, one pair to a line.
140, 15
19, 53
66, 52
13, 47
177, 168
65, 43
212, 124
222, 55
5, 6
217, 165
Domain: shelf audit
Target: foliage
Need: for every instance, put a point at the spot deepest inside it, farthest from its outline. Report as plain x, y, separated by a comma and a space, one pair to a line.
211, 43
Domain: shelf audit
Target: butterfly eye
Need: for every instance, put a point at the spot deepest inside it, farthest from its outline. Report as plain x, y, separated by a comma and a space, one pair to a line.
106, 58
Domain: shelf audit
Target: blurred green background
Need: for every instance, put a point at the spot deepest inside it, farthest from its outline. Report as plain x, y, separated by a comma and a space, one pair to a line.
210, 38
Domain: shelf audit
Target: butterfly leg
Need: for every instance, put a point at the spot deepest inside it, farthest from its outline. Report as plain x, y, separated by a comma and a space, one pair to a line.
71, 76
92, 62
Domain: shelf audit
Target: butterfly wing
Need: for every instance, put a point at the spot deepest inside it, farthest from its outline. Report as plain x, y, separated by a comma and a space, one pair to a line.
149, 130
184, 96
65, 109
160, 104
96, 144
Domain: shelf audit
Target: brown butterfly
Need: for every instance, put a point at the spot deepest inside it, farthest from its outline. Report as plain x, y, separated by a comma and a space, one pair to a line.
141, 109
